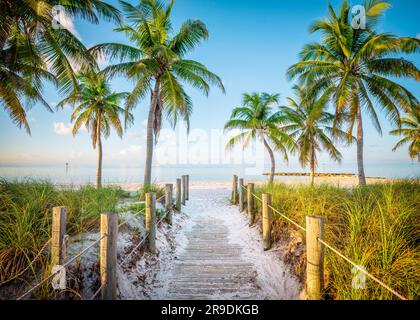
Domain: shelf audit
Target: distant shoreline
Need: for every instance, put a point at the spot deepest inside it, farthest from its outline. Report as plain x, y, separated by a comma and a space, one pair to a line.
319, 175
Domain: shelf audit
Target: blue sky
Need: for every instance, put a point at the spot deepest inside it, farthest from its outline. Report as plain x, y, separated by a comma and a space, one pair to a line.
251, 45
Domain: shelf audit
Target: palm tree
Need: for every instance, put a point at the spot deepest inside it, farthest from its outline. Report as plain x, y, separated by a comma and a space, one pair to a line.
256, 120
410, 130
98, 109
156, 64
311, 127
356, 65
33, 51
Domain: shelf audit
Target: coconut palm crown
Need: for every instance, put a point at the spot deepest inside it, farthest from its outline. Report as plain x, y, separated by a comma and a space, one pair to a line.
311, 126
35, 47
156, 63
410, 131
357, 63
98, 109
257, 120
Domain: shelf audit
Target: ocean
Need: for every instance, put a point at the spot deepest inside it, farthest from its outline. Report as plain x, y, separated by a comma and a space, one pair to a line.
134, 174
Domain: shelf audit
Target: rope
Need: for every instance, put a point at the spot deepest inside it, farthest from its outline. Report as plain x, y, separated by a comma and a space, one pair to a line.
288, 219
97, 292
281, 214
131, 218
77, 256
64, 265
30, 264
362, 270
140, 243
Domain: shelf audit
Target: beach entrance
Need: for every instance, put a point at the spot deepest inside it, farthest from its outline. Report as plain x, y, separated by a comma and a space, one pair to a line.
213, 254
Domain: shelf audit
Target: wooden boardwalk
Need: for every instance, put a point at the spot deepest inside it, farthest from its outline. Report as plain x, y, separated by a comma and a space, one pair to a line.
211, 267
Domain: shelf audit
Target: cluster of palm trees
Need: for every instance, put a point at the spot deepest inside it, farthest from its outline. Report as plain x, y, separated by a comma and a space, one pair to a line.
351, 69
33, 51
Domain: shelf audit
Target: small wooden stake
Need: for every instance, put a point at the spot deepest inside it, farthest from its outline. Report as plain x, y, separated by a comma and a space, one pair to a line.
266, 223
108, 259
151, 221
168, 203
188, 187
241, 195
250, 202
59, 220
178, 195
184, 189
314, 257
235, 189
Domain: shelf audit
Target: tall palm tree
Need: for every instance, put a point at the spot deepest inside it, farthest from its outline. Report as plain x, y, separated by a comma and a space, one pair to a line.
311, 127
156, 64
33, 50
410, 130
356, 64
257, 120
98, 109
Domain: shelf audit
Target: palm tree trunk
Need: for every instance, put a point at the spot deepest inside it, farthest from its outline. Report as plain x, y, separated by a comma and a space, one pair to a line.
312, 165
149, 136
99, 144
360, 166
273, 161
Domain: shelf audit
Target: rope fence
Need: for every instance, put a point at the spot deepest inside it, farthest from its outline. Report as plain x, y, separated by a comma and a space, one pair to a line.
266, 202
109, 231
143, 240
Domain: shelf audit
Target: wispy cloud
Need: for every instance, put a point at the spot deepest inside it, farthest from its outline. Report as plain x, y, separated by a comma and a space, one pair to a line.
61, 129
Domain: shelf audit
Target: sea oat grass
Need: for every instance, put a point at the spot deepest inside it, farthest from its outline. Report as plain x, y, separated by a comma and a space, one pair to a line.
25, 221
376, 226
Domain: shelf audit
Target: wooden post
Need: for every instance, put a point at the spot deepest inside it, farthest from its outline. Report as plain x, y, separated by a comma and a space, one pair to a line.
266, 223
188, 186
250, 202
59, 220
168, 203
108, 259
184, 191
235, 189
151, 221
314, 257
241, 195
178, 195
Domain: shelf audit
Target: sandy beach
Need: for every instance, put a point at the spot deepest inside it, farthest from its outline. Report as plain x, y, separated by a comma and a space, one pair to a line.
340, 181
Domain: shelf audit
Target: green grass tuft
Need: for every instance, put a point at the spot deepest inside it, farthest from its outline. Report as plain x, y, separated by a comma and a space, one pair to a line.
25, 219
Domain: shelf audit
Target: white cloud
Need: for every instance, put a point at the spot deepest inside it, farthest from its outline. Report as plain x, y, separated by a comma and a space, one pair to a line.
418, 36
61, 129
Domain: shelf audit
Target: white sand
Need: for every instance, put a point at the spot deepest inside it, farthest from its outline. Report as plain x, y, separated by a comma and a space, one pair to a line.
151, 277
341, 181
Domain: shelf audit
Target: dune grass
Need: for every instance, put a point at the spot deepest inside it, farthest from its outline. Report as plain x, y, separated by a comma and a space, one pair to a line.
155, 188
25, 220
376, 226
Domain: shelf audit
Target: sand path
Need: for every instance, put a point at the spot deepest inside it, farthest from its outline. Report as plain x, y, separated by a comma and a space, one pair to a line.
219, 256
